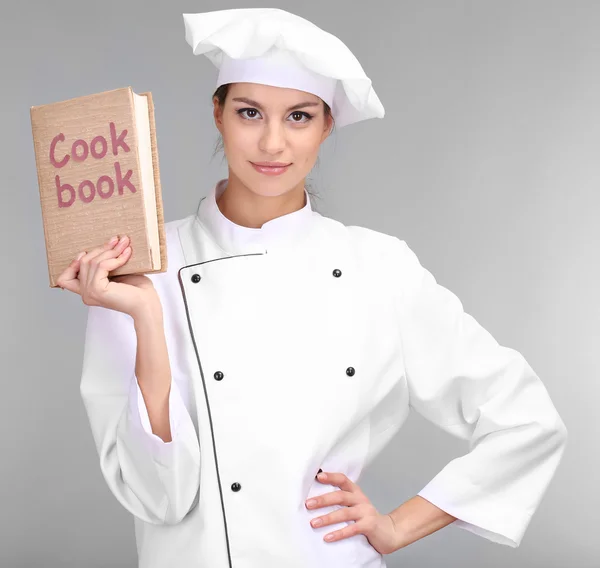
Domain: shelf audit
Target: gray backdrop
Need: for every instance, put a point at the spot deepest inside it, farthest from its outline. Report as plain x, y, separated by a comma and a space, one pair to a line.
486, 164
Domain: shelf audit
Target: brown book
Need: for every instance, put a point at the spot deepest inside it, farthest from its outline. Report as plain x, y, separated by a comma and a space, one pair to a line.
97, 165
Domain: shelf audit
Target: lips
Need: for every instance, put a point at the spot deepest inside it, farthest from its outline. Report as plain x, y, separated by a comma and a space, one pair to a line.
270, 170
271, 164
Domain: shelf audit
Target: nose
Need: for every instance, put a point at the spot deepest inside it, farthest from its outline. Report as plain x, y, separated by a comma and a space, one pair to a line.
273, 139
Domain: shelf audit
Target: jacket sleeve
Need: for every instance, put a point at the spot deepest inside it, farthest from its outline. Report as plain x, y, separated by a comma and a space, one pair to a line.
462, 380
157, 482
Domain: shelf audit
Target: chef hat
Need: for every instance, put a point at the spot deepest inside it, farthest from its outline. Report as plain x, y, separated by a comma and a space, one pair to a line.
273, 47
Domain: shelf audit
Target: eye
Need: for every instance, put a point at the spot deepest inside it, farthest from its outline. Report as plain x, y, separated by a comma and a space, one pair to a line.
242, 110
253, 112
301, 113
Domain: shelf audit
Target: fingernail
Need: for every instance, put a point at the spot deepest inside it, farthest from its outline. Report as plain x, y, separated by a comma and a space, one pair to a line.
113, 240
311, 503
80, 255
322, 475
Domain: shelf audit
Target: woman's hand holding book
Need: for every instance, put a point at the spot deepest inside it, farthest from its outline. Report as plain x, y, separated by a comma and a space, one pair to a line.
87, 275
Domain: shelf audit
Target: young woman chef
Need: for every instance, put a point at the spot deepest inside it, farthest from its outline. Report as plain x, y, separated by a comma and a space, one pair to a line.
281, 343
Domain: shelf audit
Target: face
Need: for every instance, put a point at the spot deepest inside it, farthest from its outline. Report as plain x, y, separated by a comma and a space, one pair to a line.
261, 123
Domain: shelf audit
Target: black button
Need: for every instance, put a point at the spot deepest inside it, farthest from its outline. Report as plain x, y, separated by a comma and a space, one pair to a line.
218, 376
350, 371
337, 272
196, 278
235, 486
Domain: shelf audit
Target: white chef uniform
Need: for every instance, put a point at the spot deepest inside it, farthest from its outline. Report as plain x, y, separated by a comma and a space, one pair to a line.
298, 346
302, 346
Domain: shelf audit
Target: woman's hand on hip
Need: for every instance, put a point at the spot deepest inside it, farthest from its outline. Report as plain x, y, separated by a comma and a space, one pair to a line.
378, 528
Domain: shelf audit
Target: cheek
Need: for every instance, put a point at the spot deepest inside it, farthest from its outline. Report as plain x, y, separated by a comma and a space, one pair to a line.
239, 141
307, 150
304, 140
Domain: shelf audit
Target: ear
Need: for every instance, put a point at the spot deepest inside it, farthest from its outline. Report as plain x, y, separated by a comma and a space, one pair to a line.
218, 115
329, 123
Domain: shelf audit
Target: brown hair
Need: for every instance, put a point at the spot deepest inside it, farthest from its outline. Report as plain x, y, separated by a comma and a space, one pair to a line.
221, 94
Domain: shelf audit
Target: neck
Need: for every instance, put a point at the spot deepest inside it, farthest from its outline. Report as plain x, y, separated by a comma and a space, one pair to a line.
244, 207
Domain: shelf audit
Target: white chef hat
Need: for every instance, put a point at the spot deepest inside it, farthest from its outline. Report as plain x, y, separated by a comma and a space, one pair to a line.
273, 47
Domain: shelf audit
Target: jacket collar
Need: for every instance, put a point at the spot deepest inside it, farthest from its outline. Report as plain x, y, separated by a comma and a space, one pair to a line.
276, 234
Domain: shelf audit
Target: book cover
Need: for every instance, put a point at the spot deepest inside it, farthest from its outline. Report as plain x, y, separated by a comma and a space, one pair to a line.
98, 175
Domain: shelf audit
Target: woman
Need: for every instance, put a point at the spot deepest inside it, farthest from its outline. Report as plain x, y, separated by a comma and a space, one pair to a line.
281, 343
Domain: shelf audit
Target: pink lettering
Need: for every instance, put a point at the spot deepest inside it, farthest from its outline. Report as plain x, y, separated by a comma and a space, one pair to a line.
58, 138
76, 156
59, 191
122, 182
82, 196
111, 186
94, 152
116, 142
106, 184
104, 187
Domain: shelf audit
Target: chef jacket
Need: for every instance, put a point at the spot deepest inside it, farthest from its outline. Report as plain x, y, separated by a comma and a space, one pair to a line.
298, 346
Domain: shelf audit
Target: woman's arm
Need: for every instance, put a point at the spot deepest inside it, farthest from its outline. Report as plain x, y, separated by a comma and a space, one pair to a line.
418, 518
461, 379
152, 369
155, 480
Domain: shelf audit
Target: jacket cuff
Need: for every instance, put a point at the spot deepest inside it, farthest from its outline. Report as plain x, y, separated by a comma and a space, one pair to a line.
485, 514
162, 451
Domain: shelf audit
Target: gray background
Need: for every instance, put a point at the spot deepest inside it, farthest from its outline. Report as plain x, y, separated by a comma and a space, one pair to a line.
486, 164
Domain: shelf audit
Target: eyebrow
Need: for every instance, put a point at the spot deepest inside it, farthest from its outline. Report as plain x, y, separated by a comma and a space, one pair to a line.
258, 106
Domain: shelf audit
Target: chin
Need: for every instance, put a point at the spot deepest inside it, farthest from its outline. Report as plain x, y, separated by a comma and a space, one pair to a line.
270, 186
